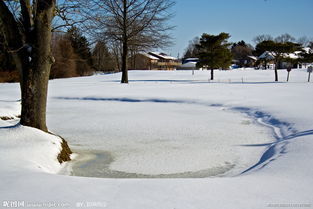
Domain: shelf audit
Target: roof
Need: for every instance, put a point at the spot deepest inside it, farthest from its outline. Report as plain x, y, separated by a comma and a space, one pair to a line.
150, 56
267, 55
295, 55
253, 57
161, 55
192, 59
189, 64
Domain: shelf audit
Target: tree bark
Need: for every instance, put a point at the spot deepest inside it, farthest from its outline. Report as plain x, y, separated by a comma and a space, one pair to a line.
276, 73
212, 74
124, 63
125, 45
29, 41
35, 79
30, 48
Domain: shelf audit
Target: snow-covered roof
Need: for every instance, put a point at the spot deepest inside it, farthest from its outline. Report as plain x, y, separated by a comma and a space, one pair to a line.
295, 55
253, 57
267, 55
150, 56
189, 64
162, 55
292, 55
192, 59
308, 50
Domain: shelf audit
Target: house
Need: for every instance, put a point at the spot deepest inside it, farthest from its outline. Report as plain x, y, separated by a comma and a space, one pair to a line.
305, 65
189, 64
267, 60
153, 61
247, 61
190, 60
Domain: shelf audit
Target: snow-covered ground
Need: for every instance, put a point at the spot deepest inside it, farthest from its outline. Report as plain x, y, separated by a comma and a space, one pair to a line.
251, 139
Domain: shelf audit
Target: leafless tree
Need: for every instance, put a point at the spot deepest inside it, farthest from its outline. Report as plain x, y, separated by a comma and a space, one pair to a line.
134, 23
191, 50
284, 38
103, 59
260, 38
304, 41
28, 38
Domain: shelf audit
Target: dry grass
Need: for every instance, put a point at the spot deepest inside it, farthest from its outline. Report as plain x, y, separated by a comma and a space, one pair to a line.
9, 77
6, 118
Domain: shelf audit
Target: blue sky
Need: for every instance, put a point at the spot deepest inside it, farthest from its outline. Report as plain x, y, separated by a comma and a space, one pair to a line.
243, 19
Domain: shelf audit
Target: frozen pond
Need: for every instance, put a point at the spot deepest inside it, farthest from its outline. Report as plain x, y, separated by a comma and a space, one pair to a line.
169, 139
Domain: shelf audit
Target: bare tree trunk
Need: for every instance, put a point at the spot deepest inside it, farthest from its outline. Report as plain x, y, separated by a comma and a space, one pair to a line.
288, 76
32, 54
29, 41
124, 63
212, 74
276, 73
34, 83
125, 45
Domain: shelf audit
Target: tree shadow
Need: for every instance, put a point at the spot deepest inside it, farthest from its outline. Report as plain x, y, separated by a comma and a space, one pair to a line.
18, 100
223, 81
133, 100
163, 81
11, 126
278, 147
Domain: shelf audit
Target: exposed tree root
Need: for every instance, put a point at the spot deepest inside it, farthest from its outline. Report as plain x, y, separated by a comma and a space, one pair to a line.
65, 154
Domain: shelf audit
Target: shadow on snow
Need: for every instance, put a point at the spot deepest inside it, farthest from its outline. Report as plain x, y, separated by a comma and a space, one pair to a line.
283, 132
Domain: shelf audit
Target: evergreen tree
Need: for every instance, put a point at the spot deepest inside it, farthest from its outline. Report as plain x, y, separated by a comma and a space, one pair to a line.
241, 51
278, 50
310, 45
306, 57
213, 52
65, 58
103, 60
81, 48
6, 61
262, 47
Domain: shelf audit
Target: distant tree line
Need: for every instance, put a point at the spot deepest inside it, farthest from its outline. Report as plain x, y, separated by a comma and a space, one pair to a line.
70, 50
215, 52
73, 56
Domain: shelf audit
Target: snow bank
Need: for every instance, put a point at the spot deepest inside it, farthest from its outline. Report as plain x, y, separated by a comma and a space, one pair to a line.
28, 148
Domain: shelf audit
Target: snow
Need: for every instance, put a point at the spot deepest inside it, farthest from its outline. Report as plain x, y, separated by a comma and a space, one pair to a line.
29, 149
150, 56
190, 65
163, 56
164, 123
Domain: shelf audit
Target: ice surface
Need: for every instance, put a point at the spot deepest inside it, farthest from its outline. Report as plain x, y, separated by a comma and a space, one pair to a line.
165, 138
